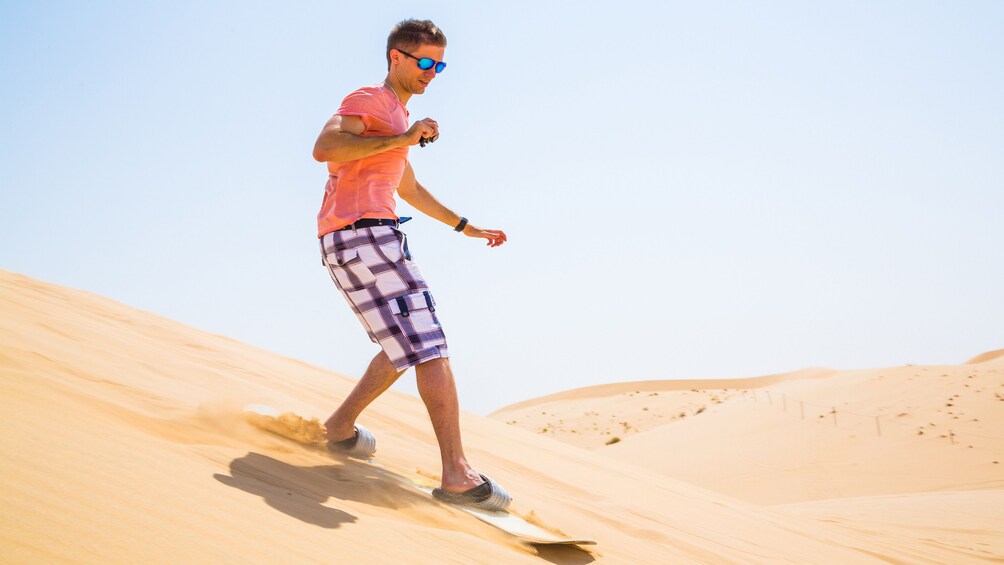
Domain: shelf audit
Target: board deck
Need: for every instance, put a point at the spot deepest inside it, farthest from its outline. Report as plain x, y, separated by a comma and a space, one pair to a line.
511, 523
265, 417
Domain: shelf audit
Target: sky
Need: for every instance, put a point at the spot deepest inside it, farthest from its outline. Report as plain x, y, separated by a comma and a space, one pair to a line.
690, 189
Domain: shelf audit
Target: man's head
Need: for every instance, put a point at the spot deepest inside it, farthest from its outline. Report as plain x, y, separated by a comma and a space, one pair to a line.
408, 43
410, 35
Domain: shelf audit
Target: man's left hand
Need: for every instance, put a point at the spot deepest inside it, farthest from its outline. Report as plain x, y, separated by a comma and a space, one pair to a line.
494, 237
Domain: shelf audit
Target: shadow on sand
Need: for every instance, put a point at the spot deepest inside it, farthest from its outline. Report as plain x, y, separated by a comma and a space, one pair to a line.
563, 554
302, 492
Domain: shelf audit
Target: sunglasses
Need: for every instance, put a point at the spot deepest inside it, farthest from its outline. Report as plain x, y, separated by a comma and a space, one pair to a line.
426, 63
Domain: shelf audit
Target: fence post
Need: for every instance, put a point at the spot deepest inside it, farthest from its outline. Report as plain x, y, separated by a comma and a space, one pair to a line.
878, 427
834, 416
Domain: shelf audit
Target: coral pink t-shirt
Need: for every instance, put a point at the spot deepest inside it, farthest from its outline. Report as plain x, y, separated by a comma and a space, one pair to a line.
364, 188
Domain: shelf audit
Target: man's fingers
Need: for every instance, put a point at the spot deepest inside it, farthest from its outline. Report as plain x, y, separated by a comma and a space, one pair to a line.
494, 237
427, 128
429, 134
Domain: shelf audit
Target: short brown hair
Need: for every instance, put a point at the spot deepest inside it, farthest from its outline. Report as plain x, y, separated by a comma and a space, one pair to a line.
412, 34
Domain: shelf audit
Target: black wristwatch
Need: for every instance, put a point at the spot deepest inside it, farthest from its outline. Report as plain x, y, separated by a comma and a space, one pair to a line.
461, 225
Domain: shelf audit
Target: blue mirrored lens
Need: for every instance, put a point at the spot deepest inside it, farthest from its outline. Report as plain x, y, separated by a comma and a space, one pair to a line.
425, 63
439, 67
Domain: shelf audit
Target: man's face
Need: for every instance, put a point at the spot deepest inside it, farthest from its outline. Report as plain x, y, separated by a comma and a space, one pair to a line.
410, 77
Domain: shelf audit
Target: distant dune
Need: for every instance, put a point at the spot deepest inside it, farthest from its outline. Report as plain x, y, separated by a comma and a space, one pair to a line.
879, 448
987, 357
123, 442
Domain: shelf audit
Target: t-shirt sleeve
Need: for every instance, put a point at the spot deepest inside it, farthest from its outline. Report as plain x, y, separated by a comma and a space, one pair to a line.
362, 104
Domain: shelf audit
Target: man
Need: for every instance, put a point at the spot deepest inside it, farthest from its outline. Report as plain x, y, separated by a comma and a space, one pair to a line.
365, 145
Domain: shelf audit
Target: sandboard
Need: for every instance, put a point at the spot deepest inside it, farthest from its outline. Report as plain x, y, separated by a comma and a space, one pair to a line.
298, 429
508, 522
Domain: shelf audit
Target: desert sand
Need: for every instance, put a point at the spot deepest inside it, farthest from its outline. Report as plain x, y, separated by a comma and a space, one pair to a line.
124, 442
910, 456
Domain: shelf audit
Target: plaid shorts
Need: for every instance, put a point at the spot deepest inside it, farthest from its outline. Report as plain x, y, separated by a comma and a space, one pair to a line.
373, 269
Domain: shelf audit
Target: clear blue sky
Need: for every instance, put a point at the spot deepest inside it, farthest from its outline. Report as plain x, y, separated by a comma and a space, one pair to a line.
691, 189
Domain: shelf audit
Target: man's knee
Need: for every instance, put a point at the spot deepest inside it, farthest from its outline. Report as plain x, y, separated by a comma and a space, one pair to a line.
433, 365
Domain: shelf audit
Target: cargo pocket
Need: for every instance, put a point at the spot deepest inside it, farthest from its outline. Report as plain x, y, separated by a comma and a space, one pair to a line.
349, 271
416, 316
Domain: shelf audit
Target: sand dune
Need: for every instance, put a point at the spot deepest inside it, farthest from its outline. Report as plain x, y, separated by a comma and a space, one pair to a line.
856, 448
123, 442
605, 414
808, 435
986, 357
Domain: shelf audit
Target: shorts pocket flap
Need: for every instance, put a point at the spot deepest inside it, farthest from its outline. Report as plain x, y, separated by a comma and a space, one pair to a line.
341, 257
404, 305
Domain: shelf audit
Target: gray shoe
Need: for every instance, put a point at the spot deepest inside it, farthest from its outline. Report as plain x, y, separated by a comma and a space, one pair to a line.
361, 446
486, 496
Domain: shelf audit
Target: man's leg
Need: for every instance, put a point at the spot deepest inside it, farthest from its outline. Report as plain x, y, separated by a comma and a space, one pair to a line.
377, 378
439, 392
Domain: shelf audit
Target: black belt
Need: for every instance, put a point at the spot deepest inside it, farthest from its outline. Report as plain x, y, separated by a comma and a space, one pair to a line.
371, 223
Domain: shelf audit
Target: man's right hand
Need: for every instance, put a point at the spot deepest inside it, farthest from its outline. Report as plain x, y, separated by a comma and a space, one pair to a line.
427, 128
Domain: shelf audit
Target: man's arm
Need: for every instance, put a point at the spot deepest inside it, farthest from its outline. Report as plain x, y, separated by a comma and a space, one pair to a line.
341, 139
415, 194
